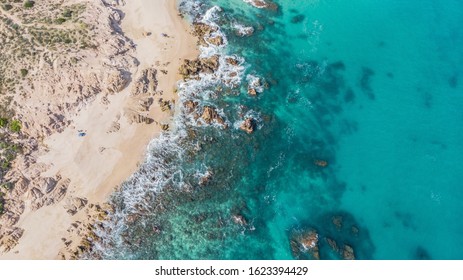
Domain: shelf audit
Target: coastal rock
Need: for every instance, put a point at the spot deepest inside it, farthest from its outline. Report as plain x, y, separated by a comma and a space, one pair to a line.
210, 114
239, 220
202, 30
115, 126
320, 163
10, 239
348, 253
136, 117
165, 127
332, 244
232, 61
243, 31
147, 82
21, 186
217, 40
206, 178
74, 204
257, 3
261, 4
8, 219
337, 222
190, 106
165, 105
255, 85
116, 81
194, 67
248, 125
304, 245
35, 193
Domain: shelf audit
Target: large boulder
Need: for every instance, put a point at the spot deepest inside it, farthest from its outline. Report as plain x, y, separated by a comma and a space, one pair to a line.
248, 125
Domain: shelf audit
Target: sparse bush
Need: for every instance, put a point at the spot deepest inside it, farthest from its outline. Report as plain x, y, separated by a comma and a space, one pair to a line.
7, 7
3, 122
60, 20
67, 13
15, 126
24, 72
29, 4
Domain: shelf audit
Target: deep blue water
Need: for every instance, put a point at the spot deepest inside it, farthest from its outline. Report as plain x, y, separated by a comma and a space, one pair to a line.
372, 88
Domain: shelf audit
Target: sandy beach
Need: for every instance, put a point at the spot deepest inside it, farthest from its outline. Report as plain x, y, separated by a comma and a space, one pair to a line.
110, 147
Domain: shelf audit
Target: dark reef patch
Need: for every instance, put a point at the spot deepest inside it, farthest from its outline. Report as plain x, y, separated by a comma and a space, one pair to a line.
297, 19
365, 82
349, 96
421, 254
453, 81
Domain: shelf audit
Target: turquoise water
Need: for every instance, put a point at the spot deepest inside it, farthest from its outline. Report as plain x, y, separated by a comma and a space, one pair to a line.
372, 88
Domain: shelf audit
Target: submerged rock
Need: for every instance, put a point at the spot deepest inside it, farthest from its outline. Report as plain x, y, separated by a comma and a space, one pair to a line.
348, 253
321, 163
239, 220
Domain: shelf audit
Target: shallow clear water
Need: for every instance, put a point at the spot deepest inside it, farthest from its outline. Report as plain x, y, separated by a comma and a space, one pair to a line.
371, 87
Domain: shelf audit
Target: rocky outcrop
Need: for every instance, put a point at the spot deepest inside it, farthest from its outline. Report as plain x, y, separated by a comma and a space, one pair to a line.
217, 40
137, 117
190, 106
9, 239
203, 65
82, 234
304, 245
210, 115
146, 83
116, 81
165, 105
75, 204
202, 30
248, 125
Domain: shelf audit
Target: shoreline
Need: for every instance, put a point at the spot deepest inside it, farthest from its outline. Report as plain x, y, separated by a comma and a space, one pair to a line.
108, 154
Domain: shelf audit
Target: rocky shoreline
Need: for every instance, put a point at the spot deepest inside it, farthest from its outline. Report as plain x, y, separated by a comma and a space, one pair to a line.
51, 102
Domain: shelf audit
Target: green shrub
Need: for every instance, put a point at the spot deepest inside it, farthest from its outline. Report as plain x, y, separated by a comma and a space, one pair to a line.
29, 4
15, 126
67, 13
3, 122
60, 20
7, 7
24, 72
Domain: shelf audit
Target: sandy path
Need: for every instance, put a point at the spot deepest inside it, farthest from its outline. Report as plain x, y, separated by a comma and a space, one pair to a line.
99, 161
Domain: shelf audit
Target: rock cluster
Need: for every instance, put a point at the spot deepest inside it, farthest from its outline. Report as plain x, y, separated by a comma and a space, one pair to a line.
146, 83
202, 65
210, 115
204, 32
82, 234
116, 81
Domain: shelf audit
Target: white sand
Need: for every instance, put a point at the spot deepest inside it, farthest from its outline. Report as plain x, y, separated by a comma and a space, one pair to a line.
95, 174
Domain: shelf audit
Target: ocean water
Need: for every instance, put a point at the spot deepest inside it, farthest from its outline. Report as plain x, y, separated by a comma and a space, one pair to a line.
358, 137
